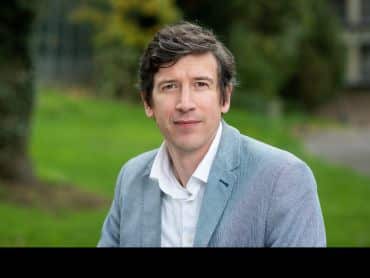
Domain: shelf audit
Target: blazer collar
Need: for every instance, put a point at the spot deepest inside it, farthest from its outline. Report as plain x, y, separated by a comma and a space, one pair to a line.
220, 185
228, 154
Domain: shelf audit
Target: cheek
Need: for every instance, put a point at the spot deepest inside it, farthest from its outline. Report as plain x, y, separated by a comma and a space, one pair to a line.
162, 114
163, 107
211, 105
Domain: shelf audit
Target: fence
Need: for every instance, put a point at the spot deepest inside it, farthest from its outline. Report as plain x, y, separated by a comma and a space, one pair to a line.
61, 49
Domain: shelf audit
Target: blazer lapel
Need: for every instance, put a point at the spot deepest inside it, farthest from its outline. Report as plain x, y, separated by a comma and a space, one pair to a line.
219, 186
151, 213
218, 191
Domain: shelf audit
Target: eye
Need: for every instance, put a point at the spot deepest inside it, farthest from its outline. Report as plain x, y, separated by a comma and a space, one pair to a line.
201, 84
169, 87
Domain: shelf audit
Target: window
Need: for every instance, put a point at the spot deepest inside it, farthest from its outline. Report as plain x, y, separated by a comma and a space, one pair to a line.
365, 10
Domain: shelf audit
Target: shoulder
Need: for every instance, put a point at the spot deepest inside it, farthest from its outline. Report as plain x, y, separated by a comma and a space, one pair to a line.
253, 155
281, 170
243, 148
139, 164
136, 167
262, 152
141, 161
274, 164
132, 173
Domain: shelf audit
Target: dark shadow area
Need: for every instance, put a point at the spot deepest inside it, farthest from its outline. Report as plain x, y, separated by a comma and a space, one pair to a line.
51, 197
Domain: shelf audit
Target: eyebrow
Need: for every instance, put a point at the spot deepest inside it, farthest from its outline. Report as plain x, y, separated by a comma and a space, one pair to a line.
196, 78
204, 78
166, 81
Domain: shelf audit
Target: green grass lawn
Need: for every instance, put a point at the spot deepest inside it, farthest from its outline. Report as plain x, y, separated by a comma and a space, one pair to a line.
84, 141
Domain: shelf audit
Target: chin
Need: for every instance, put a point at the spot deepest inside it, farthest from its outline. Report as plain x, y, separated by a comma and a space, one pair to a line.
189, 146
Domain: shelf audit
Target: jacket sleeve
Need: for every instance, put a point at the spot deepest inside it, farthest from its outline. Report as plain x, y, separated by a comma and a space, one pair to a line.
110, 234
294, 217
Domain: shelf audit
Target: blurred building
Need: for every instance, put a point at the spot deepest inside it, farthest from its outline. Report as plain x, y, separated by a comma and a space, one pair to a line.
62, 51
355, 17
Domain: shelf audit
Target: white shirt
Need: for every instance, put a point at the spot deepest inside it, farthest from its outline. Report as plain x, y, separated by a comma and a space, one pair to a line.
181, 205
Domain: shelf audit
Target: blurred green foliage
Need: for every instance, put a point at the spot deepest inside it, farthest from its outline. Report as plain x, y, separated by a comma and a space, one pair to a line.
283, 49
121, 30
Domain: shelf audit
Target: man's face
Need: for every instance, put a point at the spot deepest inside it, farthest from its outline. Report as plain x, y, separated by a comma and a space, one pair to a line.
186, 103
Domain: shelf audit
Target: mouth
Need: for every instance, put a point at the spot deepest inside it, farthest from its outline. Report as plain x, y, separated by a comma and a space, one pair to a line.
186, 123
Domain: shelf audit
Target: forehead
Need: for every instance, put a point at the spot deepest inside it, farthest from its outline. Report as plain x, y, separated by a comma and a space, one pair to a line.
189, 66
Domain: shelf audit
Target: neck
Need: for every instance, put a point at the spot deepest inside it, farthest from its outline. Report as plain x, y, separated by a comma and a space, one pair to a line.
184, 164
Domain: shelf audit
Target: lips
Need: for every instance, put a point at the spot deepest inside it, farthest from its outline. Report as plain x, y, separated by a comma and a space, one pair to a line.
186, 122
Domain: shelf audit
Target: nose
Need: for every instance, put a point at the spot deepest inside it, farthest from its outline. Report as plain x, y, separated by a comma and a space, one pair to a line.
185, 102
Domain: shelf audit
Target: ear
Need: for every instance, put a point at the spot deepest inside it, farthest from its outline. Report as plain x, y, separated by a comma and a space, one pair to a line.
226, 105
148, 110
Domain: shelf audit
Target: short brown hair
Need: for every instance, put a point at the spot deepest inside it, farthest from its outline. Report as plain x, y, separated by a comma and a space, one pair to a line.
176, 41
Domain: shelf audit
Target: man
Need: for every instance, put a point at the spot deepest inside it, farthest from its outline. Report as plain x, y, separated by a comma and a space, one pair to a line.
207, 185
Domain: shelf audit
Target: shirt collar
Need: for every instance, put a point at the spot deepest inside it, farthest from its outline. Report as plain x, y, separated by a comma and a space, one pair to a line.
162, 172
204, 167
161, 169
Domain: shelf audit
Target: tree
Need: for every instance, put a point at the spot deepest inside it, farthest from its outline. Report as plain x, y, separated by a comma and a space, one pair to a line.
283, 49
16, 90
122, 28
320, 61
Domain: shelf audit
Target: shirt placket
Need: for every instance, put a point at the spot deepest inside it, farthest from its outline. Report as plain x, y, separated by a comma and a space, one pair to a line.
187, 217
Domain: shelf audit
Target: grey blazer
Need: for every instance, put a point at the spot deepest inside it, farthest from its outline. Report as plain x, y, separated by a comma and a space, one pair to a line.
256, 196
